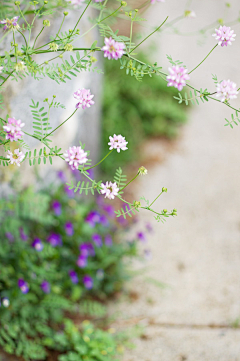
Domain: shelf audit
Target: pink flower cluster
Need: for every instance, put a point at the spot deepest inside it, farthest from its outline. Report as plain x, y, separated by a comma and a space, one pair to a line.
178, 77
224, 35
110, 190
117, 142
13, 129
84, 98
10, 24
76, 3
75, 156
161, 1
113, 49
16, 157
226, 90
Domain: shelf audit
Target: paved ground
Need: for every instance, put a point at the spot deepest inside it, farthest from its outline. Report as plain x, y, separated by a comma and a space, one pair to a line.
197, 254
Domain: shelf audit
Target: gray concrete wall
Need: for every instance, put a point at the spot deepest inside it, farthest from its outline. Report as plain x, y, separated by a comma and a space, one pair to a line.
84, 125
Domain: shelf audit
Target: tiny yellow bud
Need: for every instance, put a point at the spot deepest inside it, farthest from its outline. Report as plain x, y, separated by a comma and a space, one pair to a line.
17, 3
123, 3
65, 13
46, 23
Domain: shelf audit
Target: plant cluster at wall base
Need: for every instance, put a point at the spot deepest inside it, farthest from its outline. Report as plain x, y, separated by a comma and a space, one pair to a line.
58, 254
137, 110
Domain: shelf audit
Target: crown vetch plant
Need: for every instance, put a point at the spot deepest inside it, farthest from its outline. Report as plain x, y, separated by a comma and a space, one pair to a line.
21, 59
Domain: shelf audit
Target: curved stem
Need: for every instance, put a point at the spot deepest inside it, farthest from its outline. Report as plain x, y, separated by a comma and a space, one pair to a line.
24, 38
37, 37
60, 125
203, 59
149, 35
130, 181
99, 161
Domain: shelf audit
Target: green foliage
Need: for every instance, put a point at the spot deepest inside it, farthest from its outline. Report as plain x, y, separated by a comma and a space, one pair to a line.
136, 110
234, 120
120, 179
41, 123
30, 324
194, 99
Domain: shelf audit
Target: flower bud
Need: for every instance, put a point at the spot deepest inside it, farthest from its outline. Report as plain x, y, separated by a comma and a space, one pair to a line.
93, 59
60, 56
45, 2
142, 170
164, 210
15, 45
46, 62
123, 3
53, 46
46, 23
68, 47
137, 204
17, 3
65, 13
174, 210
164, 189
54, 96
136, 10
45, 100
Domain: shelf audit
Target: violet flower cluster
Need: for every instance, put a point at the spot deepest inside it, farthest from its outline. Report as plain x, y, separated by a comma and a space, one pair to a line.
13, 129
224, 35
113, 49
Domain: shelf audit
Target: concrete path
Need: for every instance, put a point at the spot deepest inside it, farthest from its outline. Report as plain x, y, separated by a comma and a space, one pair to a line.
197, 254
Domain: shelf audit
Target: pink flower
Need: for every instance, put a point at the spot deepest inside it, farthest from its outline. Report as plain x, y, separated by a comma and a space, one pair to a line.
10, 24
113, 49
13, 129
99, 1
117, 142
224, 35
16, 157
84, 98
110, 190
178, 76
160, 1
226, 90
75, 156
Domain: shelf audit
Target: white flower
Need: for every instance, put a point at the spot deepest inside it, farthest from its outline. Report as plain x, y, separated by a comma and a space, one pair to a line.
226, 90
190, 14
16, 157
75, 156
110, 190
142, 170
117, 142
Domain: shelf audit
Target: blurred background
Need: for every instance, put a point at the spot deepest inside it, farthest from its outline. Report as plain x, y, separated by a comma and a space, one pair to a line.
184, 296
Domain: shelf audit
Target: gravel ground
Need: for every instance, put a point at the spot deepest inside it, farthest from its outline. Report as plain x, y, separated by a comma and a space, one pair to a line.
196, 255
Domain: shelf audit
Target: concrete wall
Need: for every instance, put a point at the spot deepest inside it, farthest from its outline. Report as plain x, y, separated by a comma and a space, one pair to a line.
84, 125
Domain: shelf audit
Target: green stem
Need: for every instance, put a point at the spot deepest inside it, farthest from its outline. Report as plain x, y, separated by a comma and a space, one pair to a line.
15, 48
47, 135
101, 12
148, 35
155, 199
23, 38
99, 161
22, 14
203, 59
6, 78
131, 29
81, 15
38, 36
130, 181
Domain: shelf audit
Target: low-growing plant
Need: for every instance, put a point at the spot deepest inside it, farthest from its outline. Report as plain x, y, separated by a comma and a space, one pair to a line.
58, 253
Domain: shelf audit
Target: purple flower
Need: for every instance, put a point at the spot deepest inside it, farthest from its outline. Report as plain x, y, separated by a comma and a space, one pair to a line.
55, 239
82, 261
73, 276
224, 35
70, 192
90, 172
88, 282
117, 142
141, 237
9, 236
100, 274
177, 77
22, 234
69, 228
108, 240
61, 175
45, 286
92, 218
56, 206
149, 227
87, 249
112, 49
10, 24
104, 221
84, 98
109, 210
37, 244
23, 285
97, 239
